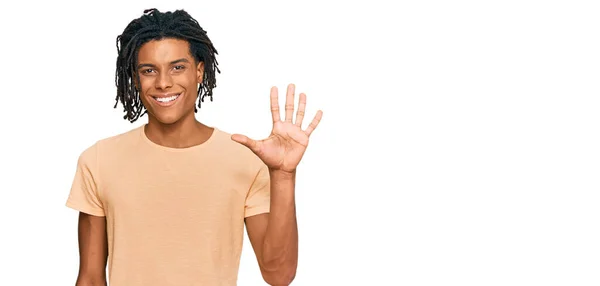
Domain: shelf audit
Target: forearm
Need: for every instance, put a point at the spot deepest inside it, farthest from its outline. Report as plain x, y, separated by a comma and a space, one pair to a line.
280, 248
91, 277
83, 280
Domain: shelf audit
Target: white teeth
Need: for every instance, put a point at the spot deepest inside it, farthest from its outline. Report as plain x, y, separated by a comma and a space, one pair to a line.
167, 99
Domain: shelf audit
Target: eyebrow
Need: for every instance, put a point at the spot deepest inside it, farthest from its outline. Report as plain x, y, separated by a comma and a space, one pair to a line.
182, 60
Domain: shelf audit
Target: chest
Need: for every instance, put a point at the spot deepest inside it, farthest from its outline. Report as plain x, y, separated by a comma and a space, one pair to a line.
173, 188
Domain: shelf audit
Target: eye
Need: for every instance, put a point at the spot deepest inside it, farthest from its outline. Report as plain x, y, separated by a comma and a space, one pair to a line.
179, 67
147, 71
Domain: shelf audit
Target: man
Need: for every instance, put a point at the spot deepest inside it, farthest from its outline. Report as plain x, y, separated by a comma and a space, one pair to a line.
165, 203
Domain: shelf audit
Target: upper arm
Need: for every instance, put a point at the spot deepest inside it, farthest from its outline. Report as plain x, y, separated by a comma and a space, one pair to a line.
256, 213
84, 195
258, 197
93, 248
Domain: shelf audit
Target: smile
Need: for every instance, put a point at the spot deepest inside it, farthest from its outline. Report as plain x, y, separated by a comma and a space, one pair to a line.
167, 100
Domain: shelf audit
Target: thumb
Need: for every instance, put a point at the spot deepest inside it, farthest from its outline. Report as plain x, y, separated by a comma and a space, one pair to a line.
242, 139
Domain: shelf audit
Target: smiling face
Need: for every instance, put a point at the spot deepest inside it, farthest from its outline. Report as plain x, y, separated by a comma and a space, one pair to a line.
168, 80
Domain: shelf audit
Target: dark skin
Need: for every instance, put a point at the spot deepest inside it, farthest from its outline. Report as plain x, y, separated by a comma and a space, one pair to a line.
166, 68
93, 250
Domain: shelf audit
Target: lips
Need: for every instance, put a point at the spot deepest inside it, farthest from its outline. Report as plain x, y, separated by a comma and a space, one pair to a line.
167, 99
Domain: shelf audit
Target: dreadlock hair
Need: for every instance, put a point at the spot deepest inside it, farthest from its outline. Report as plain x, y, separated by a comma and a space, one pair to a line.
156, 25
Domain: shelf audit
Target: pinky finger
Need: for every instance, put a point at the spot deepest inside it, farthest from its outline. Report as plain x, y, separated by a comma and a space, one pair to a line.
315, 122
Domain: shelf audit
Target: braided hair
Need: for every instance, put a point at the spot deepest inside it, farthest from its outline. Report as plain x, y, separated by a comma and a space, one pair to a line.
156, 25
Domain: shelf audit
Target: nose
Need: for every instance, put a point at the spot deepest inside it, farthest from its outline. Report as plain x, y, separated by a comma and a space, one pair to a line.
163, 81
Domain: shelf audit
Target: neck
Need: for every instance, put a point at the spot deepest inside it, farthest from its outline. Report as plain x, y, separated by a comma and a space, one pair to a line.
184, 133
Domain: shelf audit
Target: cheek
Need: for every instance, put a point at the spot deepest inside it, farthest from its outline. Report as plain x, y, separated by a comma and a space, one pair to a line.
145, 83
189, 83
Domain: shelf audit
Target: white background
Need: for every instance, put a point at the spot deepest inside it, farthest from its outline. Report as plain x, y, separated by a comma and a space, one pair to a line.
459, 143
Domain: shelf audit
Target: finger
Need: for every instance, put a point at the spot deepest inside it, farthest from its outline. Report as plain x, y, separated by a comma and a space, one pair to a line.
301, 108
289, 103
315, 122
275, 105
242, 139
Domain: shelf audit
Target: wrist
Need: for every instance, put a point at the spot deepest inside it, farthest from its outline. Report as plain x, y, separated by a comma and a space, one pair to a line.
282, 174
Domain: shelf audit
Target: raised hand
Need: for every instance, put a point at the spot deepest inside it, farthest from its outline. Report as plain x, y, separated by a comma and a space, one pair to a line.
284, 148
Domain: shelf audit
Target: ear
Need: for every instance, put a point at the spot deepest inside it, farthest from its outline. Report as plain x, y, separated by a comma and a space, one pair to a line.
200, 72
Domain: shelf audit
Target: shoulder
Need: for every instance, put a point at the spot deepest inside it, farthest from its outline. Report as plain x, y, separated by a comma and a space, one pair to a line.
233, 151
110, 144
120, 140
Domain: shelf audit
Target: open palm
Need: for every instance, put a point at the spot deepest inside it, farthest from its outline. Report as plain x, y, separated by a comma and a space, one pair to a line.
284, 148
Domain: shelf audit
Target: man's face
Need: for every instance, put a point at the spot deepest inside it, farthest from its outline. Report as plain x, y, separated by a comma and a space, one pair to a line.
168, 79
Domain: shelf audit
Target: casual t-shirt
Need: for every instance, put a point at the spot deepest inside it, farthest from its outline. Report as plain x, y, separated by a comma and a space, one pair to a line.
175, 216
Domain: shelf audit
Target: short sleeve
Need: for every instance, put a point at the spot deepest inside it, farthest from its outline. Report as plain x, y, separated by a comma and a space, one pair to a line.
258, 199
84, 190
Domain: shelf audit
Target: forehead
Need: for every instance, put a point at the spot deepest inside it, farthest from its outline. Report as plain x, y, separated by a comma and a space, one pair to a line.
164, 51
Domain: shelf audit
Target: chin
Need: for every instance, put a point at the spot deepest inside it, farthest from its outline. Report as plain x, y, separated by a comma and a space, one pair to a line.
168, 119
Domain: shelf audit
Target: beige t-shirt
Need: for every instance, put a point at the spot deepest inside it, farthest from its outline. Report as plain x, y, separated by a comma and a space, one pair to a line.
174, 216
